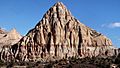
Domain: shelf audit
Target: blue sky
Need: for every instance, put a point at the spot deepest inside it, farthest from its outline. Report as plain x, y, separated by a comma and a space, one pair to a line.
101, 15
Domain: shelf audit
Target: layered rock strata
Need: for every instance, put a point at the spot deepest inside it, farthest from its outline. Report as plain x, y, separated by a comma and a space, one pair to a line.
59, 35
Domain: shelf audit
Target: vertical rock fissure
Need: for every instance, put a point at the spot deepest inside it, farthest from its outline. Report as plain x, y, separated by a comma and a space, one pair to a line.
49, 42
80, 42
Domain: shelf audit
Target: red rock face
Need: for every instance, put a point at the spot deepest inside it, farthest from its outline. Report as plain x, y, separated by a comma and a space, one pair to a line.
59, 35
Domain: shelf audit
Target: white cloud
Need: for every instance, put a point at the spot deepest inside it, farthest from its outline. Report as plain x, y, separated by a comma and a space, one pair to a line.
103, 25
114, 25
2, 28
119, 39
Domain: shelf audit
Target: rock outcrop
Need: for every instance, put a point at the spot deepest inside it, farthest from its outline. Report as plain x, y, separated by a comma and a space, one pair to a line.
7, 39
59, 35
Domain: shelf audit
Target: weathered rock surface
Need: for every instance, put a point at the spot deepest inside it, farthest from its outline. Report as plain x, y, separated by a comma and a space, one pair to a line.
59, 35
8, 39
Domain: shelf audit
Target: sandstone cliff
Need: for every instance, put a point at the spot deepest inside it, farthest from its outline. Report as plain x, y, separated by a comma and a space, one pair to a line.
59, 35
7, 39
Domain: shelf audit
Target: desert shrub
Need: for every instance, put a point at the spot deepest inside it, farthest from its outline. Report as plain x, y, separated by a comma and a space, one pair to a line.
49, 66
10, 64
1, 63
117, 60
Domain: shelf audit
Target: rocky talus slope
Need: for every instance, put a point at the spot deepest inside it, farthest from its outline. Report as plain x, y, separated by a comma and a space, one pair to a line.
59, 35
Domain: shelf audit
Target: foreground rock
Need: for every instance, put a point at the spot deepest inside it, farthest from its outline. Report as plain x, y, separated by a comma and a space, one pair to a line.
59, 35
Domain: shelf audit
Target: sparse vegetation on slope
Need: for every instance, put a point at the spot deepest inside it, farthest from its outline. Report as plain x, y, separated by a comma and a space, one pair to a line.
94, 62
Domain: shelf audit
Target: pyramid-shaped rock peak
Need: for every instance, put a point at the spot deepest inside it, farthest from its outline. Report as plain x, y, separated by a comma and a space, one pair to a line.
59, 35
57, 13
63, 27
